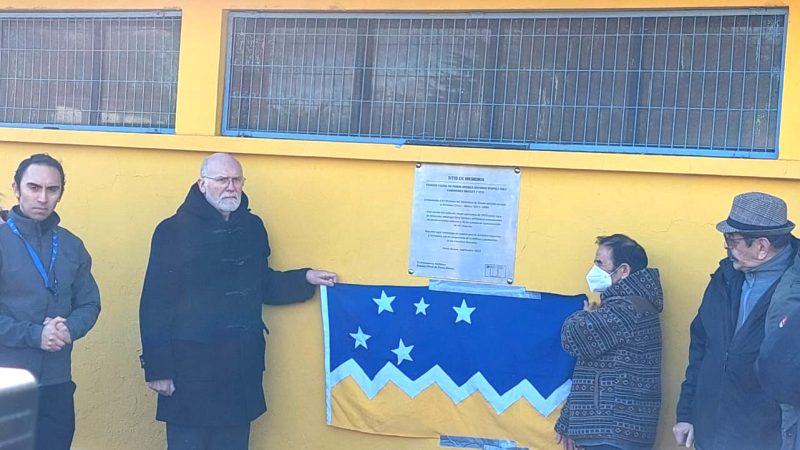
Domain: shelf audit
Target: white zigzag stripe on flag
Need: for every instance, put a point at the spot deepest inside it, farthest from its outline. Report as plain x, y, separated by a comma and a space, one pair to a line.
457, 393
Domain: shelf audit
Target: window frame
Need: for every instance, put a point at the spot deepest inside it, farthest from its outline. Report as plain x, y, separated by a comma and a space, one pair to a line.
752, 153
89, 14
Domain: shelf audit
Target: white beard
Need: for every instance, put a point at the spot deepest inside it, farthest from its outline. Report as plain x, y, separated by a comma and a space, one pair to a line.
224, 204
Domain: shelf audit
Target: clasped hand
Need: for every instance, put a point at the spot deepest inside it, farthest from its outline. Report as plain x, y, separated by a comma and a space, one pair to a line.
55, 334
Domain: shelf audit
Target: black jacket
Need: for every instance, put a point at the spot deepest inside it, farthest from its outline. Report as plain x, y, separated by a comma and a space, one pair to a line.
721, 395
200, 312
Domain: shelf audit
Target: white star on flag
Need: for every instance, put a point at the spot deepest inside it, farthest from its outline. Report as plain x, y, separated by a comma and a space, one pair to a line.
403, 352
422, 307
384, 303
360, 338
464, 312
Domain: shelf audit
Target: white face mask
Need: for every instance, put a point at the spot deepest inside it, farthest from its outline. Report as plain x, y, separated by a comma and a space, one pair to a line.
598, 279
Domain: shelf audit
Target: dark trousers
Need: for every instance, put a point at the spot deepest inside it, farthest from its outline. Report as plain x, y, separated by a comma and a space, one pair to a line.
55, 420
180, 437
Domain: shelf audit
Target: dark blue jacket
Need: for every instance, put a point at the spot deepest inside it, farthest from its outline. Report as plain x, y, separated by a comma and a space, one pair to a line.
200, 312
721, 395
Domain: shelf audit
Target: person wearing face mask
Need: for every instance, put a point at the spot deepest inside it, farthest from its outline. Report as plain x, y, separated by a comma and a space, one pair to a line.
722, 406
616, 386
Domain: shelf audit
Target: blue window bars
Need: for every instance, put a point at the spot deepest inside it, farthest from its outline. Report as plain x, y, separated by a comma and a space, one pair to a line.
678, 82
93, 71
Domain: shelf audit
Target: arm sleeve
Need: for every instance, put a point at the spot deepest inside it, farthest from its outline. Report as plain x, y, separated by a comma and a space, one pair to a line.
157, 307
85, 299
282, 288
19, 334
779, 361
590, 334
697, 349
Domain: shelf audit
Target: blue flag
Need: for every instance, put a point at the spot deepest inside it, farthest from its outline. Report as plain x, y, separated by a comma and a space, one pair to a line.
430, 351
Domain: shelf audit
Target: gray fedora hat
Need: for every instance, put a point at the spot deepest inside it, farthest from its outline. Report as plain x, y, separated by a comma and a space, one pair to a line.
757, 213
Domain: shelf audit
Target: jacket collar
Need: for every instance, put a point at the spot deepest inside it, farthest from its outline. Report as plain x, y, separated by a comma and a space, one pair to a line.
29, 227
197, 205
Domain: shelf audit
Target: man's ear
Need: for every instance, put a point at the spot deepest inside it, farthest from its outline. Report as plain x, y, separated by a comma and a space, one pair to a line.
15, 188
201, 184
624, 270
764, 246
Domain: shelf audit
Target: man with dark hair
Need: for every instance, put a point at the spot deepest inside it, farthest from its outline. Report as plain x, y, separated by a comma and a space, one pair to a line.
616, 386
48, 297
624, 250
200, 315
721, 404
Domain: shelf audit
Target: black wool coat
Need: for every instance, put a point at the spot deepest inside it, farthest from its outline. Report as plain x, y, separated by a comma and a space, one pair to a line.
721, 395
200, 312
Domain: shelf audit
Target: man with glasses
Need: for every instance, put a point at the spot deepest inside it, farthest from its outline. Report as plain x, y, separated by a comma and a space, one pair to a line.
48, 296
721, 404
200, 314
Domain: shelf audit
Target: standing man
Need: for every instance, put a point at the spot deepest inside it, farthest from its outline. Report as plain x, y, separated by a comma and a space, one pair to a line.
616, 386
721, 405
48, 297
200, 315
780, 354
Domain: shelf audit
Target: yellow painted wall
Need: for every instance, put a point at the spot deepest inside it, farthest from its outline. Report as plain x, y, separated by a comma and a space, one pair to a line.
347, 207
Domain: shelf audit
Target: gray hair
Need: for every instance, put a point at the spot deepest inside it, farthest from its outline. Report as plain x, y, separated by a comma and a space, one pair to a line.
207, 161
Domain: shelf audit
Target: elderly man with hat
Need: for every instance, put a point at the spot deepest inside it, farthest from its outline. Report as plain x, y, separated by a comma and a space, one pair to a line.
721, 404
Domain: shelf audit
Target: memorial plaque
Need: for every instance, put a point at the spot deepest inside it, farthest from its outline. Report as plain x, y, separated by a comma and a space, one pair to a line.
464, 223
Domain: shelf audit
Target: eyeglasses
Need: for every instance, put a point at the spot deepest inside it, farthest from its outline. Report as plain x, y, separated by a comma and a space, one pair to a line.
731, 241
224, 181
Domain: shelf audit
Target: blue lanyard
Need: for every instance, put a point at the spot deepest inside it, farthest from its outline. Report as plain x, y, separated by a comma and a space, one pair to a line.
38, 262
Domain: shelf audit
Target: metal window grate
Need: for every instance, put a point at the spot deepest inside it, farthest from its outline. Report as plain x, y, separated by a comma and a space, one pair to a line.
671, 82
106, 71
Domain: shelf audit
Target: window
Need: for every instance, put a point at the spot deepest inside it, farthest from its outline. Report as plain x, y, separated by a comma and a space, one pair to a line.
668, 82
101, 71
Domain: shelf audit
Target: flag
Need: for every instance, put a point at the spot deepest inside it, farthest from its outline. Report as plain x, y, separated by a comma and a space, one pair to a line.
411, 361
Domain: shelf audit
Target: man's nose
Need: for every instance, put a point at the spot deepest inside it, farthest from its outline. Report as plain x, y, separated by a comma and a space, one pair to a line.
42, 196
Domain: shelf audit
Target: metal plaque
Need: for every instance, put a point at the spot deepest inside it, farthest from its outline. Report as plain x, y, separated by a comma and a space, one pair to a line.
464, 223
